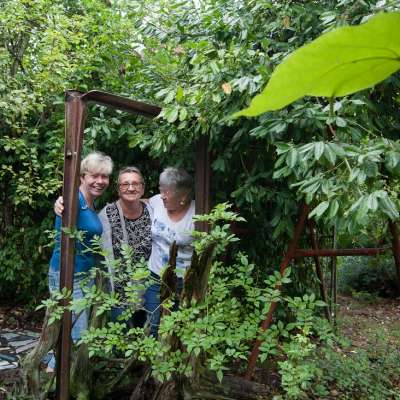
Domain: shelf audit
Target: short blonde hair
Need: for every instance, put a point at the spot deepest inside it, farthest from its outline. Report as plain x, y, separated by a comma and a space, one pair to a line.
96, 162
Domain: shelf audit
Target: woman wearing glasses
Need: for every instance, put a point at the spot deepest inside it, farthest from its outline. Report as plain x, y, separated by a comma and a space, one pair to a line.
127, 221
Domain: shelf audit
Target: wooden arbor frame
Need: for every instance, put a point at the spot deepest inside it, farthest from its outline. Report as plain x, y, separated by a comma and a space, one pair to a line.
294, 252
75, 115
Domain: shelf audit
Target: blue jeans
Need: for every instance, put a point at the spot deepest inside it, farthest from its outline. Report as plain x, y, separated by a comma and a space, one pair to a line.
137, 320
78, 324
152, 302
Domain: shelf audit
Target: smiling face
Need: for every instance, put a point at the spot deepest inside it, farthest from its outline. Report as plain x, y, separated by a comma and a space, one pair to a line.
93, 184
130, 187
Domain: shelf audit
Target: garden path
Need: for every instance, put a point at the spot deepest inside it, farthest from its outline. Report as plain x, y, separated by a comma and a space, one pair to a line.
13, 345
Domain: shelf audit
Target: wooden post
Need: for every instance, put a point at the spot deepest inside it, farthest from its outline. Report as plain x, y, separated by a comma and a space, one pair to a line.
314, 245
396, 249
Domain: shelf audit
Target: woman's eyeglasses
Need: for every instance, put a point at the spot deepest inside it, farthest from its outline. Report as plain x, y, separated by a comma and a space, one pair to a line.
126, 185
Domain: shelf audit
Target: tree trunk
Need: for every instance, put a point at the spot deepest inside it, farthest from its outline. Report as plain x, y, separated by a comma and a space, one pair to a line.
207, 387
31, 363
231, 388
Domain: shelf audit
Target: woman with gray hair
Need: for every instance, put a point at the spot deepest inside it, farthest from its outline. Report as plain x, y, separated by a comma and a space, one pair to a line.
173, 210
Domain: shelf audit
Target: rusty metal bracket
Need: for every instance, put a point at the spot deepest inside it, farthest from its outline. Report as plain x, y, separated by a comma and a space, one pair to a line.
293, 252
75, 114
284, 264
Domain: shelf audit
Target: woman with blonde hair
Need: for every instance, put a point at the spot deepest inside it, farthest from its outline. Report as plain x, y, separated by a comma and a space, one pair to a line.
95, 171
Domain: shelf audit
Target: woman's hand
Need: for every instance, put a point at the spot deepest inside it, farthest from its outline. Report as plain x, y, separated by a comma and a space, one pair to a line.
59, 206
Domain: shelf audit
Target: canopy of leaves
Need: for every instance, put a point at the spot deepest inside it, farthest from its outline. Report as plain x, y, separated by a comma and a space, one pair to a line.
201, 61
338, 63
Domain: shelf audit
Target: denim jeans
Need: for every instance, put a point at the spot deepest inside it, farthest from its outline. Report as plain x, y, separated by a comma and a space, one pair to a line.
152, 302
137, 320
78, 324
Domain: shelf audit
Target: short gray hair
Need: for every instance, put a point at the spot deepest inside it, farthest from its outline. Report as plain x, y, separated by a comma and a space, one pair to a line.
130, 170
177, 177
96, 162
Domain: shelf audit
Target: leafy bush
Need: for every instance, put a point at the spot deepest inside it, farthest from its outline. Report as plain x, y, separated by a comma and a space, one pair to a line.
374, 275
363, 374
24, 262
217, 331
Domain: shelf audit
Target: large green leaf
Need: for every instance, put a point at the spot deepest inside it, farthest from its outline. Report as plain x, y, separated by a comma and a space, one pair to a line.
337, 63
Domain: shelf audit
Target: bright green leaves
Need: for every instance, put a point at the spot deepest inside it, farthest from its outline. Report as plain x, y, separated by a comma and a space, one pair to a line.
338, 63
346, 183
320, 209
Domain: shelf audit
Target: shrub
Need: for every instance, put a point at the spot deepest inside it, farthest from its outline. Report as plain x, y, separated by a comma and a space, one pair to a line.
375, 275
363, 374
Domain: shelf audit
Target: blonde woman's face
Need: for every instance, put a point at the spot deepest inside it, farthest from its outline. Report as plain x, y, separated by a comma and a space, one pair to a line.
95, 183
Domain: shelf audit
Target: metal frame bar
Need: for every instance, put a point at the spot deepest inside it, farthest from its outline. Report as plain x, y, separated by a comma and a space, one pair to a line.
318, 269
396, 249
293, 252
284, 264
75, 114
362, 251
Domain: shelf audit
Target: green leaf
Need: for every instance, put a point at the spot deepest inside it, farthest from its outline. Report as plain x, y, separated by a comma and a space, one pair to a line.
172, 114
183, 114
337, 149
333, 208
372, 202
340, 122
318, 150
362, 210
282, 147
330, 155
388, 207
320, 209
179, 94
291, 158
337, 63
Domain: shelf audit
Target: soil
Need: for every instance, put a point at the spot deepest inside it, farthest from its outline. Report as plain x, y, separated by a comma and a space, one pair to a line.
20, 317
362, 321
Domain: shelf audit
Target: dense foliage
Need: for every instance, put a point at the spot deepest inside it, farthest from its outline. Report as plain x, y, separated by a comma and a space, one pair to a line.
201, 61
368, 278
210, 333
